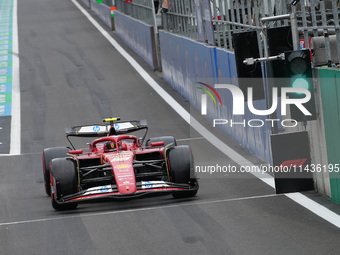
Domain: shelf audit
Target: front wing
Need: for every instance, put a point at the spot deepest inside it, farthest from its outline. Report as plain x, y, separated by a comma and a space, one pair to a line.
144, 188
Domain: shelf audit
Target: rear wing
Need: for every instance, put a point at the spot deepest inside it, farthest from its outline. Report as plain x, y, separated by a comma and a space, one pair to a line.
114, 128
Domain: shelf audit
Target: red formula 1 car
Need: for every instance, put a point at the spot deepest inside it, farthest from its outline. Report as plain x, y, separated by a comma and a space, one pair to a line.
117, 165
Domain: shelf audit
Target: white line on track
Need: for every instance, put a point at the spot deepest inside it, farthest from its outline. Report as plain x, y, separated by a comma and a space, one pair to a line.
25, 154
15, 144
299, 198
190, 139
134, 210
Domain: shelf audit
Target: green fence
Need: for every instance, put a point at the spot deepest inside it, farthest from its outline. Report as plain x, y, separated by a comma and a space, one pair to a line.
330, 94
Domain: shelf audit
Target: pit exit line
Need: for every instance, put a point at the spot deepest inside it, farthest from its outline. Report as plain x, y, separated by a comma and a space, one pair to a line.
190, 139
135, 210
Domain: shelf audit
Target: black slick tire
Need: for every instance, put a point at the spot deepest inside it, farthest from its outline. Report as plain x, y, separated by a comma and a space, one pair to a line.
47, 156
181, 169
65, 182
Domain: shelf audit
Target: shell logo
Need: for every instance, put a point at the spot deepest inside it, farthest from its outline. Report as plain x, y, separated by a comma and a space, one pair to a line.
123, 166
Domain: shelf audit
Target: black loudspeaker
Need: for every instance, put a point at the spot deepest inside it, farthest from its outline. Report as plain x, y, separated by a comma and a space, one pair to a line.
279, 40
245, 46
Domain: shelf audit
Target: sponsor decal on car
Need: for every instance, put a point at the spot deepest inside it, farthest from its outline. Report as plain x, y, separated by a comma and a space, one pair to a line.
154, 184
91, 129
119, 157
98, 190
148, 185
124, 158
124, 125
122, 166
124, 176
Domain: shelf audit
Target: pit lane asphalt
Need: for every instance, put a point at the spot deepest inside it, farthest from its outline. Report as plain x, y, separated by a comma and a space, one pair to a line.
71, 75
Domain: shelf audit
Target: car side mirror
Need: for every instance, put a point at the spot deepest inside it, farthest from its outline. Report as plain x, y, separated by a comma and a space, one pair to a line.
157, 144
76, 152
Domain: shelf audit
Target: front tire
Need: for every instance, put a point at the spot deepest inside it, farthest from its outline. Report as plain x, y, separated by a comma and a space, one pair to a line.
181, 169
64, 182
47, 156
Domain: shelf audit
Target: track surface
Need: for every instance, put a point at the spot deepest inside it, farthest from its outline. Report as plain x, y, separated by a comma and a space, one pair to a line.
71, 75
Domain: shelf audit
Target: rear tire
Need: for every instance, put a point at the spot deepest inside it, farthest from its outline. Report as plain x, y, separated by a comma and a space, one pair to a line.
64, 181
181, 169
47, 156
166, 139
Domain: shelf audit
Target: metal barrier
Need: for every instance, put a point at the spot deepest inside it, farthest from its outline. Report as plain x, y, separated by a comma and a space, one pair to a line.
103, 12
138, 36
180, 18
315, 18
142, 10
321, 18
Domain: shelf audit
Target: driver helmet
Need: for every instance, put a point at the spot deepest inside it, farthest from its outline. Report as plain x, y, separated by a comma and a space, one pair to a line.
110, 146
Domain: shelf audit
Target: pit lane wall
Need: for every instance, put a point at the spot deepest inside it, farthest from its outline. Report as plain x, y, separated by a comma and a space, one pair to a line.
135, 34
138, 36
186, 62
102, 11
330, 95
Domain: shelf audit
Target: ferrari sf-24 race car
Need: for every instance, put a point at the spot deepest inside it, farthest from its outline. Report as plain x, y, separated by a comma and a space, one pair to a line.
118, 165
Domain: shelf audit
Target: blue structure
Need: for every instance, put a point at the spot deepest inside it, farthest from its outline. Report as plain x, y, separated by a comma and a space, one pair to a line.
186, 62
138, 36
